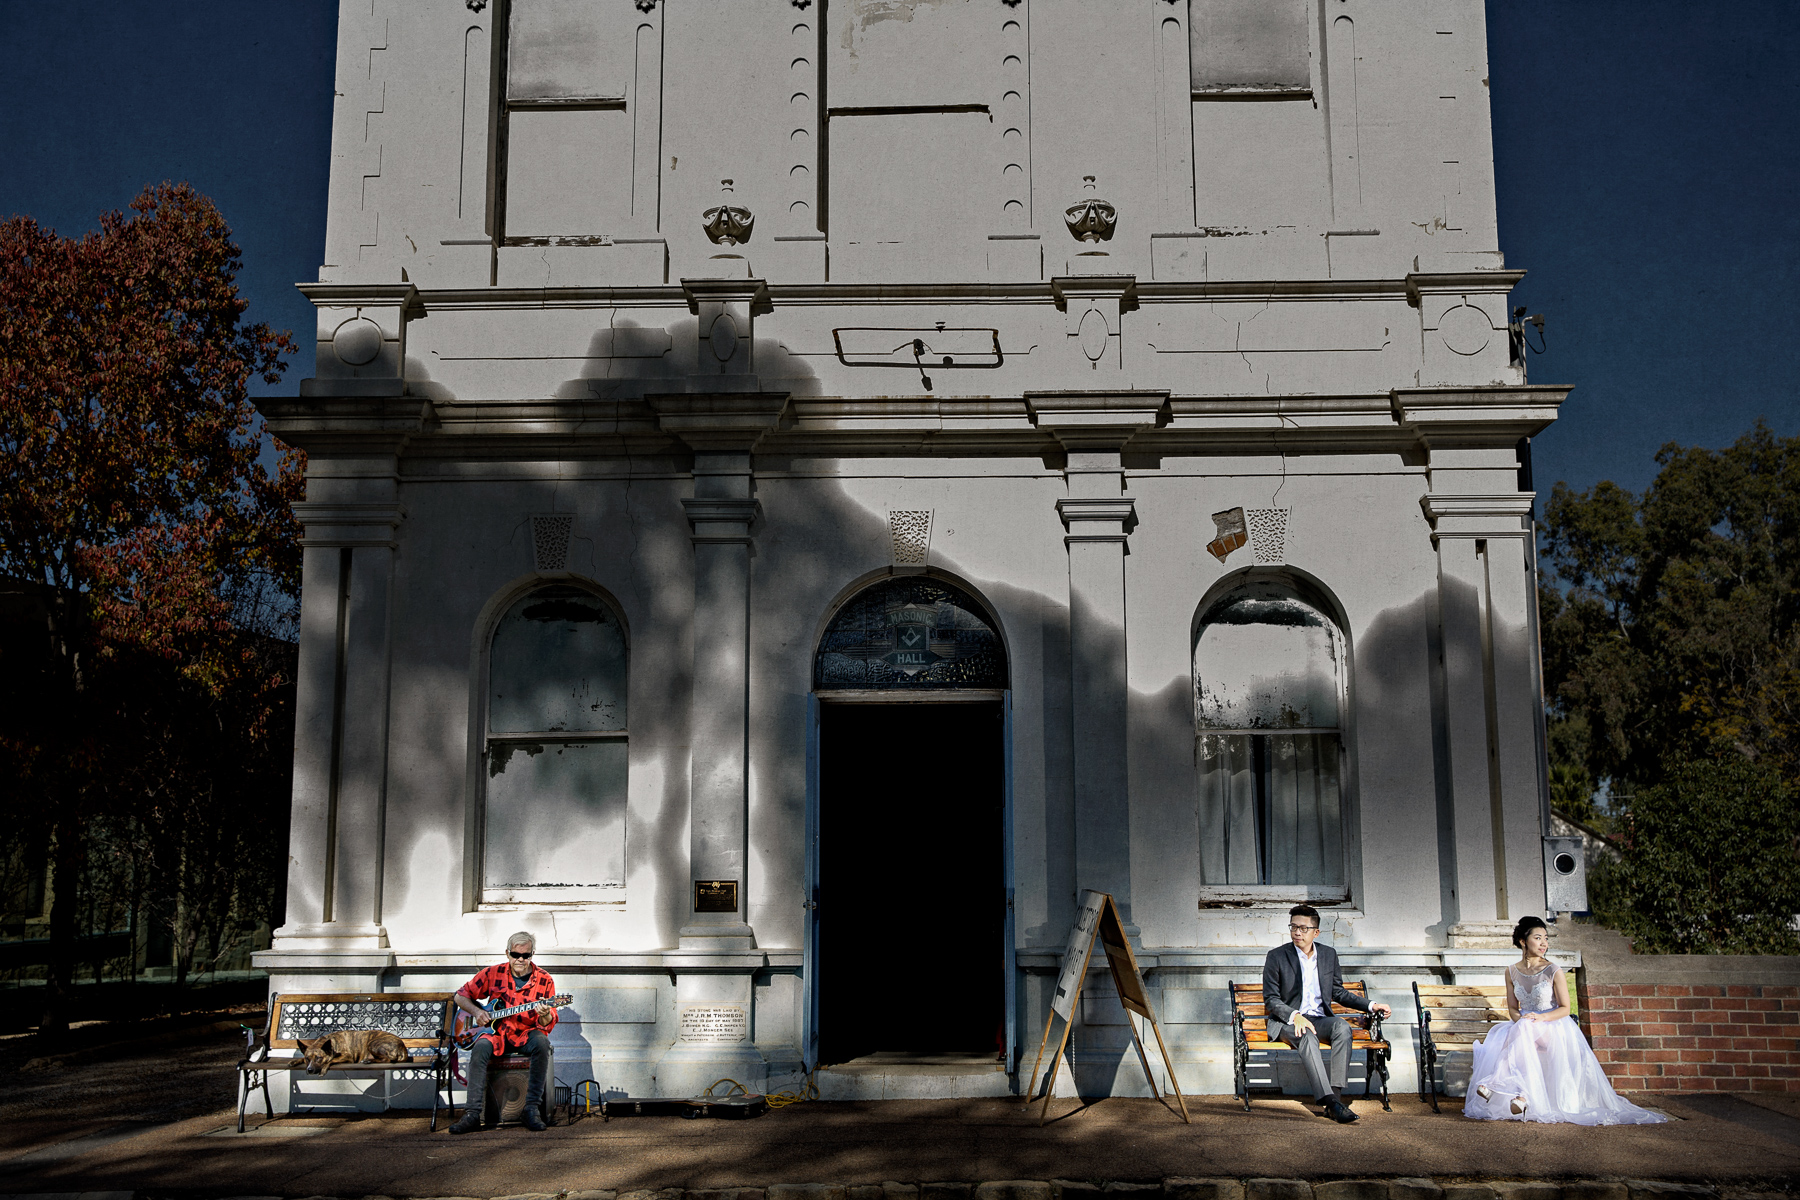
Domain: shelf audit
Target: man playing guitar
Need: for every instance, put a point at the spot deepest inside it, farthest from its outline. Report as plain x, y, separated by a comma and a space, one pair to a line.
509, 984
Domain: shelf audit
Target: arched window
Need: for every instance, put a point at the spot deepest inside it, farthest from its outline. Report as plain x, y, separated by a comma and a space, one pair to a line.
554, 822
1268, 694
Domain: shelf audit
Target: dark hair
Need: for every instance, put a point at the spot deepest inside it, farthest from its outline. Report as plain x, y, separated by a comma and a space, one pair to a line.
1305, 910
1523, 929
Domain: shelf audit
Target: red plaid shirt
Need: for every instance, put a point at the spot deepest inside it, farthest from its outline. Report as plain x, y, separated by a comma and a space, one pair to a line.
498, 982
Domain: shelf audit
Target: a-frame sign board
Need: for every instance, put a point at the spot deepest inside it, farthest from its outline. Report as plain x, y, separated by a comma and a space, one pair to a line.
1099, 917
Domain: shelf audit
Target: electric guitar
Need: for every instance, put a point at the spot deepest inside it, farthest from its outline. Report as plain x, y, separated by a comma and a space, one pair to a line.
466, 1030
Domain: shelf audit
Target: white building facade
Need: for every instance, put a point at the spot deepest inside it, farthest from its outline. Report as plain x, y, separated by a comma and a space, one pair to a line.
799, 489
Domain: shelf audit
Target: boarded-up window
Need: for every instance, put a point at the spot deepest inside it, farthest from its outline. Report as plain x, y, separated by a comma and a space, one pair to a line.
575, 74
1268, 692
556, 752
1249, 46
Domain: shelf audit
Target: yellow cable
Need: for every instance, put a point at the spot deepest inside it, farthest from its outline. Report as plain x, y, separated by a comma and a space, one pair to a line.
807, 1091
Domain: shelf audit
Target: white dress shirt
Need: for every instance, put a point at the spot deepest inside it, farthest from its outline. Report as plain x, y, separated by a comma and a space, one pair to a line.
1312, 1001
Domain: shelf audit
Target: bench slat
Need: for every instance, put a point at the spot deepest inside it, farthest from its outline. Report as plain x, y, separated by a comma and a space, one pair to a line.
1427, 991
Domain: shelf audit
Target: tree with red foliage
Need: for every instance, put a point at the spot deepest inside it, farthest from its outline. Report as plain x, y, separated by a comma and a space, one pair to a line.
139, 493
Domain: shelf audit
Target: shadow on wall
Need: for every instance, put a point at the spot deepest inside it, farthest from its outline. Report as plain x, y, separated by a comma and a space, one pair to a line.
825, 541
627, 361
1390, 683
650, 580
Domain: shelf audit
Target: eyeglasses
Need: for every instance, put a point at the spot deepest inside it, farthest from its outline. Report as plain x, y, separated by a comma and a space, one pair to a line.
1302, 928
516, 954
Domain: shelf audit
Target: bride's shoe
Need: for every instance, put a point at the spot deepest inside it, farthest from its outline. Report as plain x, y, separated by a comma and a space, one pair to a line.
1518, 1106
1483, 1092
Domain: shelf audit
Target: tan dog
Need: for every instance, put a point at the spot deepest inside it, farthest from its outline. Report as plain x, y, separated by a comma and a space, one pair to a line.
352, 1046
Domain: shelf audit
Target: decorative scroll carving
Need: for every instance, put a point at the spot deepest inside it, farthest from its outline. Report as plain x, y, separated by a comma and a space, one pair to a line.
476, 6
910, 632
1091, 219
728, 224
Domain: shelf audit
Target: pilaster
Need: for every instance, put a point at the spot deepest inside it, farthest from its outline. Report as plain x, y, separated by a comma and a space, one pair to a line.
1098, 517
338, 823
721, 430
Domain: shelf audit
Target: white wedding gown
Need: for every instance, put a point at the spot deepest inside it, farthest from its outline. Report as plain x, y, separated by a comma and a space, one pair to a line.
1546, 1062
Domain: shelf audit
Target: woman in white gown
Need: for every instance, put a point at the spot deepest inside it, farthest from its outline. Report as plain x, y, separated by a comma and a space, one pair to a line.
1539, 1068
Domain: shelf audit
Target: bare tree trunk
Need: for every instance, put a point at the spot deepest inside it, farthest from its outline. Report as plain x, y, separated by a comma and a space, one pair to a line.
66, 863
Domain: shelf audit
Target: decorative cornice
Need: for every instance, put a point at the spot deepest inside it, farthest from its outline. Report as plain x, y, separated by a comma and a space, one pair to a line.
1459, 283
1489, 415
754, 292
719, 422
721, 521
1097, 519
1497, 515
338, 525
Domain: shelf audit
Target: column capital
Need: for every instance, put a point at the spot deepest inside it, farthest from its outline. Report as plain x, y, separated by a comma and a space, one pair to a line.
1095, 519
722, 521
338, 525
1096, 420
1494, 415
718, 422
1501, 515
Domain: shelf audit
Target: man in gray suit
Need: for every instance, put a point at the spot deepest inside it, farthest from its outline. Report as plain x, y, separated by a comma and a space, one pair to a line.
1300, 980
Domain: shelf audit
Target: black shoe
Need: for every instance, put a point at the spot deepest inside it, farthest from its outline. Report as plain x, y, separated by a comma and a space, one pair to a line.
1338, 1111
469, 1122
532, 1120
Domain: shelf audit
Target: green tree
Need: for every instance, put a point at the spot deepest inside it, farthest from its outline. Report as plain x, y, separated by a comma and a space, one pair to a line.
1710, 863
1671, 638
1678, 633
134, 492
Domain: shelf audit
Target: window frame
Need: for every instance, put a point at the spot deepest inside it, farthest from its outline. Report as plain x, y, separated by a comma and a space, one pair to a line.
1287, 585
482, 738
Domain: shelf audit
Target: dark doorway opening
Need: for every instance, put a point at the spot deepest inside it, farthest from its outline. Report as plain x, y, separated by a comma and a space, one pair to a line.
911, 877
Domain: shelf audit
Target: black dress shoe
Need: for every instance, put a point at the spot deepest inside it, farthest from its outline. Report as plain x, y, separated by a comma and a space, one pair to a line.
469, 1122
1338, 1111
532, 1120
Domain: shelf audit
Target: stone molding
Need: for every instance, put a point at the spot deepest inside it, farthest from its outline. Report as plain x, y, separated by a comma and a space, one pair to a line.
1503, 515
718, 422
717, 522
1096, 519
338, 525
1493, 415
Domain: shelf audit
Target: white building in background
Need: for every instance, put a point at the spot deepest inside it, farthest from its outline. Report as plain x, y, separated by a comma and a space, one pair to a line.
799, 489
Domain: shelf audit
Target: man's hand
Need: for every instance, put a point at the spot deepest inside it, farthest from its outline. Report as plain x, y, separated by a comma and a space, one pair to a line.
544, 1013
1302, 1026
1384, 1011
482, 1018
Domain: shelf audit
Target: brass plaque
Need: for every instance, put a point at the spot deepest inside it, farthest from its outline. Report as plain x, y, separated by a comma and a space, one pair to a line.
715, 895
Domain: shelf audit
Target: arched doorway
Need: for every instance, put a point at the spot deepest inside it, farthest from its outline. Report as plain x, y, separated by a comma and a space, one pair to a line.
908, 809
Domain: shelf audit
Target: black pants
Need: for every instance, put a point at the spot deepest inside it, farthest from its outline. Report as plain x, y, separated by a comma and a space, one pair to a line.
537, 1046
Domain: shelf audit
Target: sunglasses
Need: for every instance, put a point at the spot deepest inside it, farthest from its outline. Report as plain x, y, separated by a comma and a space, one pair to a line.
516, 954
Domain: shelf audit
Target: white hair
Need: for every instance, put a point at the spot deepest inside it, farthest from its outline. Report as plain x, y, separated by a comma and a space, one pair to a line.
522, 938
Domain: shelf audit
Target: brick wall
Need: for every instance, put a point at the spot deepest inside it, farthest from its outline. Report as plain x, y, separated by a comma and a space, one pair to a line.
1695, 1037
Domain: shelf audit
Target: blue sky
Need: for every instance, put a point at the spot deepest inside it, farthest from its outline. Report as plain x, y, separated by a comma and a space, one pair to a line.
1648, 158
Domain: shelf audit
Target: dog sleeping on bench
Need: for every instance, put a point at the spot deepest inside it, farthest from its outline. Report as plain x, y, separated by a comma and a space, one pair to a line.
352, 1046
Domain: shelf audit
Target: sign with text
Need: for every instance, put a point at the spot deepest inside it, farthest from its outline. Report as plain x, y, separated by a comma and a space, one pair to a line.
715, 896
714, 1023
1098, 917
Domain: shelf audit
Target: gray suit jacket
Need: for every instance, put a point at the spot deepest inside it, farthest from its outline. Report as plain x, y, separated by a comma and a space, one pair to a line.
1283, 985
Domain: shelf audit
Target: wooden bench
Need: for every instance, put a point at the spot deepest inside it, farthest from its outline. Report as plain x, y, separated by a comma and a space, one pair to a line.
421, 1019
1453, 1017
1250, 1028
